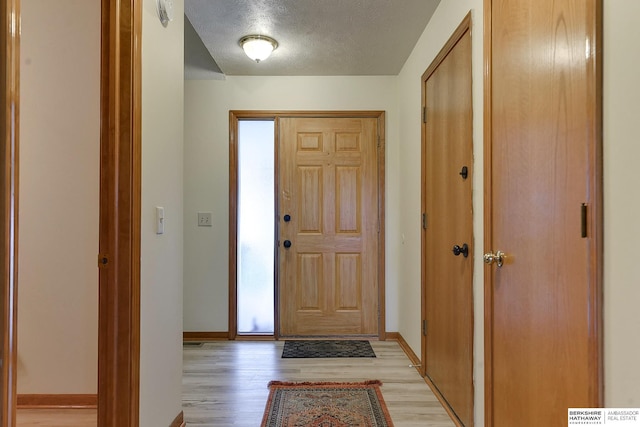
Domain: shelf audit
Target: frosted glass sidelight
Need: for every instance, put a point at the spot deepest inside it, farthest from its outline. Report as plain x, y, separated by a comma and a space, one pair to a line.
256, 226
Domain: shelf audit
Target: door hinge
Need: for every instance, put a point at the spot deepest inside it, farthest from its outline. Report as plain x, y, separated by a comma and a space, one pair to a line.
378, 141
424, 327
103, 260
424, 220
583, 219
424, 114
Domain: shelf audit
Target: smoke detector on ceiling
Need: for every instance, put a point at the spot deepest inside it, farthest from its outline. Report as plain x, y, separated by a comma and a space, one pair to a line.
165, 11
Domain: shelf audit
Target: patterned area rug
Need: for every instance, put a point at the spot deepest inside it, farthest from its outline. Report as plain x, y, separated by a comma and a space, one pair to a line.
326, 405
327, 348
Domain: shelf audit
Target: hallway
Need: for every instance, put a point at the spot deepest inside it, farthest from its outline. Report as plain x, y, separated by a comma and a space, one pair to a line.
225, 382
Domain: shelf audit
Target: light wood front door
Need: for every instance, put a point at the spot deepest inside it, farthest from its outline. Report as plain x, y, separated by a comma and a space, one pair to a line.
542, 210
328, 245
448, 225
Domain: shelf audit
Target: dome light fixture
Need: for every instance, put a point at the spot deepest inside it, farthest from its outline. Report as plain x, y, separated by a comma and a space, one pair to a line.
258, 47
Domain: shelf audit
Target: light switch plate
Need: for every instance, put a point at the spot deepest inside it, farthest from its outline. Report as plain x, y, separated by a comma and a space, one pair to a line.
204, 219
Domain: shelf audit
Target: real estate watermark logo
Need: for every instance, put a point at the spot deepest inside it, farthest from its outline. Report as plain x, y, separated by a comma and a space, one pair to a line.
614, 417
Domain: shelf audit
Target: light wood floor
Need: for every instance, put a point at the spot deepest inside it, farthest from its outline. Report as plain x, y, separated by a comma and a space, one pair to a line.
225, 384
56, 418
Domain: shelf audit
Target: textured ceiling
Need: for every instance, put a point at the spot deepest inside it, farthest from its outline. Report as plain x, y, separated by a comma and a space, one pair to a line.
316, 37
198, 63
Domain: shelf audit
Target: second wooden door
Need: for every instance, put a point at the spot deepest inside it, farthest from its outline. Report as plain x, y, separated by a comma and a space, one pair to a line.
329, 225
448, 227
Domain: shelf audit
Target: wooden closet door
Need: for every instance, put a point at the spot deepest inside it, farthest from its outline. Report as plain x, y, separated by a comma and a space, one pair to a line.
542, 304
447, 197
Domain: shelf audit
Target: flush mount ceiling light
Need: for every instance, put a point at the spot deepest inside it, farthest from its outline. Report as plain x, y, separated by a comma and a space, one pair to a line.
257, 47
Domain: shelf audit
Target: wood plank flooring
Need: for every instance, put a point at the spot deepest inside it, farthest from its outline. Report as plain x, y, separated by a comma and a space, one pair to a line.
225, 385
56, 418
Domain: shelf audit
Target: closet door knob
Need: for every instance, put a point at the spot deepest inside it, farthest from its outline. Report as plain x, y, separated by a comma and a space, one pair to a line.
464, 250
498, 258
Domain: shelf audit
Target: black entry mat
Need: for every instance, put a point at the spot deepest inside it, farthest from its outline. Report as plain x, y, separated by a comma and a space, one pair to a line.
327, 348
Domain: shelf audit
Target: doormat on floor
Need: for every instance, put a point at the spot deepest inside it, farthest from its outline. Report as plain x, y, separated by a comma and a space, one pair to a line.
326, 405
327, 348
192, 344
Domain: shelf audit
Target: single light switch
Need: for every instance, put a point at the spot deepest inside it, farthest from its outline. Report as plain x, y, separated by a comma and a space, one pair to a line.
159, 220
204, 219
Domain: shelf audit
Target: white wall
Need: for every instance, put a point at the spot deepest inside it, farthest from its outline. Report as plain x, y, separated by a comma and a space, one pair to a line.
445, 20
161, 264
622, 203
59, 197
207, 105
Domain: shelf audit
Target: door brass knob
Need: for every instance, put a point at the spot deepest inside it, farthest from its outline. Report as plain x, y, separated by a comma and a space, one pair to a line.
498, 258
